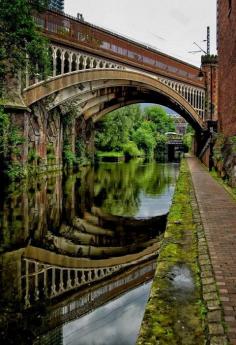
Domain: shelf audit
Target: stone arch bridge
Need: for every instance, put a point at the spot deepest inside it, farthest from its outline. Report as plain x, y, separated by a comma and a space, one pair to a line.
95, 71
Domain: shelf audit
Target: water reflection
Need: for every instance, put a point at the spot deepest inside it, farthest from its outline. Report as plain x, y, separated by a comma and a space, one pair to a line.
135, 188
99, 229
110, 323
73, 216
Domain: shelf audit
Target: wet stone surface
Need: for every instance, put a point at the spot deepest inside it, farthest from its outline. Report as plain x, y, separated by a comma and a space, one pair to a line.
182, 282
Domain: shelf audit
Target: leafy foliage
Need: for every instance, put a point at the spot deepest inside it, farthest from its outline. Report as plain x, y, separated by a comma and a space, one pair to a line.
69, 157
81, 154
114, 130
159, 117
188, 138
130, 149
132, 130
20, 40
10, 141
161, 140
145, 138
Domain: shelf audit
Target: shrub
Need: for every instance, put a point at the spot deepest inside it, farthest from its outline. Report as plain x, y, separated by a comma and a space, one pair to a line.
131, 150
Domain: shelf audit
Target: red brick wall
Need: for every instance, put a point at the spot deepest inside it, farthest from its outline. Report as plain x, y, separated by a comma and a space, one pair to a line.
227, 66
211, 81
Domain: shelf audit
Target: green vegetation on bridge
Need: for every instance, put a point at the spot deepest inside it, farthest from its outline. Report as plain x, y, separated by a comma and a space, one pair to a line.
21, 44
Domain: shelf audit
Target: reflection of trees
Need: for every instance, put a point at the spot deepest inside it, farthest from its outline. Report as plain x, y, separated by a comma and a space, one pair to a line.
33, 208
29, 209
154, 178
117, 186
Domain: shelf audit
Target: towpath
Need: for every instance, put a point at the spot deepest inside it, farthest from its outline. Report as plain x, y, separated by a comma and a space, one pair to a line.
218, 214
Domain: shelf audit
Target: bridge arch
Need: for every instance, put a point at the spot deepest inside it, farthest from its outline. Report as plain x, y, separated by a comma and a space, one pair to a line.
82, 86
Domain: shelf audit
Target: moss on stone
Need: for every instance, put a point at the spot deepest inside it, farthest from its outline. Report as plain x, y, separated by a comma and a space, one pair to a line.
174, 312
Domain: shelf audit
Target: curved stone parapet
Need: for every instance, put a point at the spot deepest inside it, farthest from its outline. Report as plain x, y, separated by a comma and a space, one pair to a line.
68, 247
51, 258
76, 85
49, 275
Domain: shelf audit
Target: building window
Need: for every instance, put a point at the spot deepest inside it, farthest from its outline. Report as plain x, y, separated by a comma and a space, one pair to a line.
229, 7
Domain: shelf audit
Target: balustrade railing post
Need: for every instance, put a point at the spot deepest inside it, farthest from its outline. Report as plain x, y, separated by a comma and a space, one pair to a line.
36, 281
27, 296
54, 56
62, 62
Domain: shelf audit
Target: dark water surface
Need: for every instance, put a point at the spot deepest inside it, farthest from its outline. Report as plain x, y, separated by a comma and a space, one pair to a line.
78, 253
117, 322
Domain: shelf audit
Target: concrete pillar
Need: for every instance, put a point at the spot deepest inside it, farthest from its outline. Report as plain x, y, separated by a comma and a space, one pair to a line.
54, 59
69, 286
27, 296
45, 287
195, 99
53, 285
36, 282
89, 276
70, 61
62, 61
76, 277
83, 280
91, 63
61, 284
84, 62
96, 274
77, 61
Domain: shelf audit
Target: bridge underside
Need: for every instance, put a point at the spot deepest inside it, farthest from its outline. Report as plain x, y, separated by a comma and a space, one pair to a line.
64, 109
95, 93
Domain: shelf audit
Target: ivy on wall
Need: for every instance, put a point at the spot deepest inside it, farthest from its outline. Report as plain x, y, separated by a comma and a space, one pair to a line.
10, 147
21, 43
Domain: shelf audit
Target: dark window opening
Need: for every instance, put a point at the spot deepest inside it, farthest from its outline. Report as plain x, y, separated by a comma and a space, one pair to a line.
229, 7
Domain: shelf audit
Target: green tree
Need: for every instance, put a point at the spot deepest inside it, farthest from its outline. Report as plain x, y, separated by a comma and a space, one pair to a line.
20, 41
158, 115
130, 149
161, 141
114, 130
127, 127
145, 137
188, 138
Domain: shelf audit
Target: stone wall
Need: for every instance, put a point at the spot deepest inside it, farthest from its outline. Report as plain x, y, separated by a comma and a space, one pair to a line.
44, 138
47, 135
224, 158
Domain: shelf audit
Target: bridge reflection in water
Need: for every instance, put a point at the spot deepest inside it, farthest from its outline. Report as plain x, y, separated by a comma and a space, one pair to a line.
72, 246
126, 293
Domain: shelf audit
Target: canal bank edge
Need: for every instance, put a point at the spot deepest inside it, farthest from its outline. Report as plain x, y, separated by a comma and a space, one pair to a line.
184, 306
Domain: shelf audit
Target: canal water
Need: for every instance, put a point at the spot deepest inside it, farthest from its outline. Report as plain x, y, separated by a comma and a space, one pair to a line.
78, 253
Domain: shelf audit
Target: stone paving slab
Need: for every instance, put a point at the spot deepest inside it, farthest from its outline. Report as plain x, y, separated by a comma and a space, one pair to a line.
218, 213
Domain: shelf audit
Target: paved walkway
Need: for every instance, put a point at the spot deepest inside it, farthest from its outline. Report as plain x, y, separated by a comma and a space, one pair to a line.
218, 213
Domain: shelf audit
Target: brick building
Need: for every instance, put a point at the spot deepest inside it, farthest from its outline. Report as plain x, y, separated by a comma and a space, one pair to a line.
226, 40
